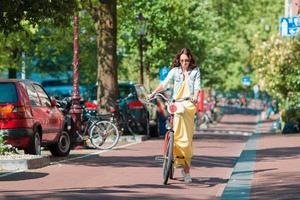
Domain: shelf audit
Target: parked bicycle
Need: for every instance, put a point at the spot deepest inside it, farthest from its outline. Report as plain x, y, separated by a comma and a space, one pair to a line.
168, 146
128, 117
99, 129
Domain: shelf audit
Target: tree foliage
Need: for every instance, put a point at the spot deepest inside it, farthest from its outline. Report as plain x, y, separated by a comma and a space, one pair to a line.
219, 32
278, 68
14, 12
222, 34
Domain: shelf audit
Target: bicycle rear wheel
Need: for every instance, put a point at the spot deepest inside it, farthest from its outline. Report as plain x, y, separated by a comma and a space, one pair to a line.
104, 135
168, 159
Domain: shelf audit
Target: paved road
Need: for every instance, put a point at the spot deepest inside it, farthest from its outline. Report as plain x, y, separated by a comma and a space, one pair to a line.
134, 170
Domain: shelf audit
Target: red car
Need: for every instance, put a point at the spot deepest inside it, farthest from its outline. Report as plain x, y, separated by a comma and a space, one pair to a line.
29, 118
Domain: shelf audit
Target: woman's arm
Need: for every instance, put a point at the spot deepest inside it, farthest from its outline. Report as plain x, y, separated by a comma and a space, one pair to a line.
162, 85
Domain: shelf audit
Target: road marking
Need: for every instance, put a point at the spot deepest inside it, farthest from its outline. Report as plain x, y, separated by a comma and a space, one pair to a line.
239, 184
84, 156
95, 153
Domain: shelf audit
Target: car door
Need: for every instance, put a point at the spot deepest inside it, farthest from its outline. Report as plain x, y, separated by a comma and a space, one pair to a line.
53, 118
39, 113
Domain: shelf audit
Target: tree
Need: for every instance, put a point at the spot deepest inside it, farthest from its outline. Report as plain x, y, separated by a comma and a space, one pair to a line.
18, 20
58, 12
104, 14
277, 66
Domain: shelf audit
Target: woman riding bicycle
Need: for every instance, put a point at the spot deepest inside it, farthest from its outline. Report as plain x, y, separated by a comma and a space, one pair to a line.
185, 79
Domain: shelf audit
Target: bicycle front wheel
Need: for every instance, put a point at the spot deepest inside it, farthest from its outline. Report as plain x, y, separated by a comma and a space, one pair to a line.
104, 135
168, 160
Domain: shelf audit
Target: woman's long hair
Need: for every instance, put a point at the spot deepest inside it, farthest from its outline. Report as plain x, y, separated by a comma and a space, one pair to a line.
186, 51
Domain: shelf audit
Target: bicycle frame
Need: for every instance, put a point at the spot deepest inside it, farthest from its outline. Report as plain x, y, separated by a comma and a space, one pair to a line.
168, 169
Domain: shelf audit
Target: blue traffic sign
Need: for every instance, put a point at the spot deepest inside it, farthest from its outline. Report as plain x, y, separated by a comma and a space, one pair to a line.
163, 72
246, 80
289, 26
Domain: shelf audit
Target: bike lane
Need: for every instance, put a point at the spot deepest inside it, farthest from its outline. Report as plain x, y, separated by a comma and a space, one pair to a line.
268, 168
135, 170
277, 168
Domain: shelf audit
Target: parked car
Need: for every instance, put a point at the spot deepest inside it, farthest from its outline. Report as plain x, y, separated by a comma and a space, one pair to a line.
133, 105
30, 119
60, 88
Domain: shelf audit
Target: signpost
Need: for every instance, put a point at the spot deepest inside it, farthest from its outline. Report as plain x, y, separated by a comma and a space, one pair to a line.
246, 80
289, 26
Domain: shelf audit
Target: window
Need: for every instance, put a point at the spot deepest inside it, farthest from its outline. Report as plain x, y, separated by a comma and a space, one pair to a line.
33, 97
43, 96
8, 93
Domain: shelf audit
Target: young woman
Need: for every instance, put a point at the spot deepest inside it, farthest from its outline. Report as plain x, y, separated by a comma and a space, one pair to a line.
185, 80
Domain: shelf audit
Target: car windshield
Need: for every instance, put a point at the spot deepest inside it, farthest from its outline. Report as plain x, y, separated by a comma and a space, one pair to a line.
8, 93
125, 90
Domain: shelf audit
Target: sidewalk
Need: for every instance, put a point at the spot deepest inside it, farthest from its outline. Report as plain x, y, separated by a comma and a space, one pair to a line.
268, 167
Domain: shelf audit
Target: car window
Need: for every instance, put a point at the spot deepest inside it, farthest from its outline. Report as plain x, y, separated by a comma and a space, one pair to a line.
33, 97
125, 90
141, 92
43, 96
8, 93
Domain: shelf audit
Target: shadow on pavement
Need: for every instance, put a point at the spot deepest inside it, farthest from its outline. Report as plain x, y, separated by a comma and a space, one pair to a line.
149, 161
277, 186
202, 181
253, 171
277, 153
213, 161
206, 135
23, 176
111, 193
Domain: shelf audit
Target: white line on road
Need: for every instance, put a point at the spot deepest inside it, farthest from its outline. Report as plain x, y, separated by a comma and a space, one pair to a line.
95, 153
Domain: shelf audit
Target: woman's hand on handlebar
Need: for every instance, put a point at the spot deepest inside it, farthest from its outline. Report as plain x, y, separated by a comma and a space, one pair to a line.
151, 96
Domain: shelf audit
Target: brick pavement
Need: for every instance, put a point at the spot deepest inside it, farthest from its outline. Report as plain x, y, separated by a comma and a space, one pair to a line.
268, 168
133, 173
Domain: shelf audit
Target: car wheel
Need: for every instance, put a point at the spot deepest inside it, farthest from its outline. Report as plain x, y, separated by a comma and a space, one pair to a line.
63, 146
34, 147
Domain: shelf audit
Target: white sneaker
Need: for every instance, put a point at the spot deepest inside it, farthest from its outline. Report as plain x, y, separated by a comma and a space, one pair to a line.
188, 178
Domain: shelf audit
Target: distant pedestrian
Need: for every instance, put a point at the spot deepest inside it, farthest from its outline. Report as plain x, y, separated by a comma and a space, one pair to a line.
185, 78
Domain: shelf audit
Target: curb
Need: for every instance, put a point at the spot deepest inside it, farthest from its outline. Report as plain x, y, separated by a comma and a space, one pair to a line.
26, 162
23, 162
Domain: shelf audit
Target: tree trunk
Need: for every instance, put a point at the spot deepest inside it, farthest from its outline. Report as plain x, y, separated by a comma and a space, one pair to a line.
107, 77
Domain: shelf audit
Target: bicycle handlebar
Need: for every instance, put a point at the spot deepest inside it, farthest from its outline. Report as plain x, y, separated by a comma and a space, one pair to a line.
169, 100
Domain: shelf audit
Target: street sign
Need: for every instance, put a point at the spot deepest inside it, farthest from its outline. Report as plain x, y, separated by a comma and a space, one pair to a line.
289, 26
246, 80
163, 72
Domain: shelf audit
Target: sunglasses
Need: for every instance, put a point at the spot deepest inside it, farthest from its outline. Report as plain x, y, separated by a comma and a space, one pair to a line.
184, 60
